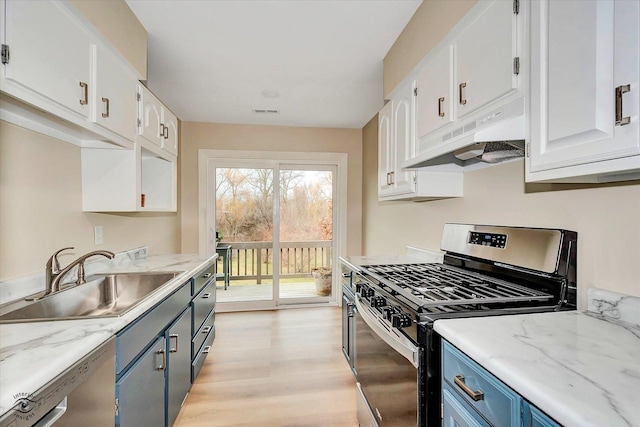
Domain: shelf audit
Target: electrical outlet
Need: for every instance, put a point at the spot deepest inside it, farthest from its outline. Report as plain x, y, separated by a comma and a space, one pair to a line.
98, 236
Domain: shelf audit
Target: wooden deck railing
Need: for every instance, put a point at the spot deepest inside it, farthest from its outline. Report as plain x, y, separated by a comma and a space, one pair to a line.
254, 260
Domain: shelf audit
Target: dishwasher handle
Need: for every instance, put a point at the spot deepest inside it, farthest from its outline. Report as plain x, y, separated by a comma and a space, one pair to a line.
53, 415
398, 342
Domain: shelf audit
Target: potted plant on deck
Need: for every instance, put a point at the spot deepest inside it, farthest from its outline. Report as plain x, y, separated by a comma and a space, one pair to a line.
323, 279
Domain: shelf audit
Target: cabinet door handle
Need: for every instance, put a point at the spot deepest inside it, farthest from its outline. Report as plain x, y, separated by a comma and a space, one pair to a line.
206, 275
175, 349
621, 121
85, 98
440, 102
206, 296
165, 133
393, 177
462, 99
206, 329
475, 395
163, 365
206, 350
162, 130
106, 107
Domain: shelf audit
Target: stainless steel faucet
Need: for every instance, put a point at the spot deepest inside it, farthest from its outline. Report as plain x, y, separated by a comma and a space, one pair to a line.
53, 273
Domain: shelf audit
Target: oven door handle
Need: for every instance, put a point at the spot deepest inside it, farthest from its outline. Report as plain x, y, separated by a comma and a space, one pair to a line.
397, 341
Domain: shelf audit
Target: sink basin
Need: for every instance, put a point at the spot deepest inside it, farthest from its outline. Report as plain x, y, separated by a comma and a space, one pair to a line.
108, 295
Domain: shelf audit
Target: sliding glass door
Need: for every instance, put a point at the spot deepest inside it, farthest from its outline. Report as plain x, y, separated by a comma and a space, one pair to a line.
274, 224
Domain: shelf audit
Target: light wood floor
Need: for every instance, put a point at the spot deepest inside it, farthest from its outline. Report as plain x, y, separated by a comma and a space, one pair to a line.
281, 368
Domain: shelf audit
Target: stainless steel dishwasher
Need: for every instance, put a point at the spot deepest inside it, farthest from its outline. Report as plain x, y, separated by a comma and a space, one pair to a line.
82, 395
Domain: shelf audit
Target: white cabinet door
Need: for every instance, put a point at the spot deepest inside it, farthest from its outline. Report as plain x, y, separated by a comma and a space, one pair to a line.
115, 95
170, 132
385, 147
150, 111
403, 137
485, 54
435, 92
583, 52
50, 53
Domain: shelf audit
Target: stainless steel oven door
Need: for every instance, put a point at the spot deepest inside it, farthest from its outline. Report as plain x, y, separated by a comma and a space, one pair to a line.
387, 365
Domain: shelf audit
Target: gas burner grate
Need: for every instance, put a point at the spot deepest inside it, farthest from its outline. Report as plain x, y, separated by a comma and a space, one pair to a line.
433, 285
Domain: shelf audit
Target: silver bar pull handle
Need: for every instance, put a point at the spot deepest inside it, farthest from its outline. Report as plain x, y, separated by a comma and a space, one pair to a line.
85, 99
206, 329
206, 296
206, 350
166, 132
440, 102
106, 107
174, 349
475, 395
161, 130
621, 121
206, 275
163, 365
461, 98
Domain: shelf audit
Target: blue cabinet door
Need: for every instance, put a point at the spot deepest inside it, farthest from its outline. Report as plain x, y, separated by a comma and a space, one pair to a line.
456, 413
534, 417
178, 338
140, 391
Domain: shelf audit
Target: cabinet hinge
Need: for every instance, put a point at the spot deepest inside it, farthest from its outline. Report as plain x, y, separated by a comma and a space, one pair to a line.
415, 91
138, 97
528, 150
139, 123
415, 177
516, 7
516, 65
117, 406
5, 53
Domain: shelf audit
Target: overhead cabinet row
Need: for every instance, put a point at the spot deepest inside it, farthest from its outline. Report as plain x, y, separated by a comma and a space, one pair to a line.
553, 81
61, 78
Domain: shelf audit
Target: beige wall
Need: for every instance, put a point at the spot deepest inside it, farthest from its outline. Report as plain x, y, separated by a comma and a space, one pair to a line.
195, 136
41, 208
430, 23
117, 23
605, 217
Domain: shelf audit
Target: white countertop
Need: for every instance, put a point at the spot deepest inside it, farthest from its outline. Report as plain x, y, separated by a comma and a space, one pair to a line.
581, 368
34, 353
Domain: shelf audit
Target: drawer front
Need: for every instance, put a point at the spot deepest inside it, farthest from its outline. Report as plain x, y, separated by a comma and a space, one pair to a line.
203, 303
198, 361
493, 399
202, 333
203, 277
136, 336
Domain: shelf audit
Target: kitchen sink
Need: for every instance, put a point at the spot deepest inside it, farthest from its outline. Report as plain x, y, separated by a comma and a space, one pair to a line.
107, 295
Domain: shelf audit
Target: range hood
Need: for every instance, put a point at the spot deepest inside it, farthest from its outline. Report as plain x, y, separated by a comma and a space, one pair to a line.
490, 136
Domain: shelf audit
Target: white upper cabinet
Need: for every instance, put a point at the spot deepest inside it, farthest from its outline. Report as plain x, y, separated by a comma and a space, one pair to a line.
484, 58
114, 99
435, 92
584, 91
396, 144
49, 54
156, 124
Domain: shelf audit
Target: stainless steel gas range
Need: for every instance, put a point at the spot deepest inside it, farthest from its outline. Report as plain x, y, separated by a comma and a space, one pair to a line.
487, 271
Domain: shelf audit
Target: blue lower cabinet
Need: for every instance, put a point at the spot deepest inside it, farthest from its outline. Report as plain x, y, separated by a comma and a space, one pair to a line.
534, 417
178, 338
457, 414
140, 392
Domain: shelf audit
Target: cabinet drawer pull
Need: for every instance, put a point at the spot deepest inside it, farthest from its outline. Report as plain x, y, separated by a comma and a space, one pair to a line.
85, 99
393, 177
206, 350
461, 98
206, 275
206, 296
106, 107
163, 365
175, 349
621, 121
206, 329
475, 395
440, 102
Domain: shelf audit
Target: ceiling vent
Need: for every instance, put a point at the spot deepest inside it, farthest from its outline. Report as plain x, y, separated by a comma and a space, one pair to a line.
265, 111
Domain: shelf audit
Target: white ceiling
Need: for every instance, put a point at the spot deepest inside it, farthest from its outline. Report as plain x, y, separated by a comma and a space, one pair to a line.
211, 61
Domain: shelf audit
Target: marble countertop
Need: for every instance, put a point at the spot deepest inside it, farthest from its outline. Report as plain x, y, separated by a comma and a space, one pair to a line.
581, 368
34, 353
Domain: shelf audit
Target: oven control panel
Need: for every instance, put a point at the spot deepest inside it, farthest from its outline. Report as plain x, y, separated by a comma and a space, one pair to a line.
493, 240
